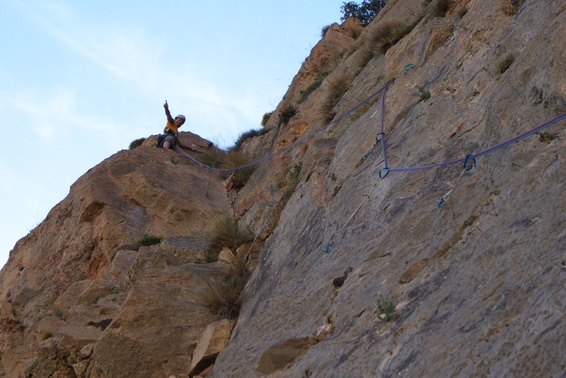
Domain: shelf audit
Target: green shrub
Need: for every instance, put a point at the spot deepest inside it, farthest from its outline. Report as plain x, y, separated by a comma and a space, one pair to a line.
365, 12
424, 94
324, 30
266, 118
286, 114
96, 298
136, 143
149, 239
296, 171
114, 290
243, 137
57, 312
291, 184
504, 63
247, 135
385, 309
311, 88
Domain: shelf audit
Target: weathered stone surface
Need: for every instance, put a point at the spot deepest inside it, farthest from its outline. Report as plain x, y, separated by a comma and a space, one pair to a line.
226, 255
80, 279
212, 341
477, 281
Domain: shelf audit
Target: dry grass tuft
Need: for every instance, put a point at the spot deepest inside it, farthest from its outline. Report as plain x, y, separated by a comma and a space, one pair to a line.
226, 232
236, 159
504, 62
387, 35
511, 7
223, 293
441, 7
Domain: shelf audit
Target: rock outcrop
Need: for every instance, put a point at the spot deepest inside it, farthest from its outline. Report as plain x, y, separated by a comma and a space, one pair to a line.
358, 271
81, 297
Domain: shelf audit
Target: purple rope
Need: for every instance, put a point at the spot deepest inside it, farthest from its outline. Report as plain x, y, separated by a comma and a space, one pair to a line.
524, 135
491, 149
292, 145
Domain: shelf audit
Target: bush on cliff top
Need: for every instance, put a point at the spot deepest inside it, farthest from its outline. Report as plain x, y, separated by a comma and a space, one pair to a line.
365, 12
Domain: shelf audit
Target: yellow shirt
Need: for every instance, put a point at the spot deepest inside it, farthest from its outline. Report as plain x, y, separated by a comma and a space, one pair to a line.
171, 126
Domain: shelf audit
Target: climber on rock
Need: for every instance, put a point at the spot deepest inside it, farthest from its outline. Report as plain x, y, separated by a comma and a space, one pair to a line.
170, 137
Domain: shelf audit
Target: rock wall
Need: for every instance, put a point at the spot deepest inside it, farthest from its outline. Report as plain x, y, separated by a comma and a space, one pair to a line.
477, 282
81, 297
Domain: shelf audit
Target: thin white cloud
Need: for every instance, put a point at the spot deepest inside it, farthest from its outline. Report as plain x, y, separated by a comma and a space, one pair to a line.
50, 115
127, 53
46, 114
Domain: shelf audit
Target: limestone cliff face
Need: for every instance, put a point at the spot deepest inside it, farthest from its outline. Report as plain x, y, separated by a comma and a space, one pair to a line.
477, 282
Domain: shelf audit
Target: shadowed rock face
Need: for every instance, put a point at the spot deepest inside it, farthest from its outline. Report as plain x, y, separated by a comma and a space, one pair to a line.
476, 282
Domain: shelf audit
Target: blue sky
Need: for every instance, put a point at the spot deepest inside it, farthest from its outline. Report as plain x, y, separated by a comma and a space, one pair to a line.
80, 80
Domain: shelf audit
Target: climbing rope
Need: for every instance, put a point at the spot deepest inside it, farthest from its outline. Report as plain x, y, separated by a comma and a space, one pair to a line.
292, 145
470, 159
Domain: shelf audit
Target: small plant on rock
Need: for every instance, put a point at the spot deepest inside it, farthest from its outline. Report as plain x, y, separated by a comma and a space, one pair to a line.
293, 180
96, 298
223, 293
236, 159
387, 35
385, 309
213, 157
324, 30
311, 88
58, 313
286, 115
424, 94
511, 7
265, 118
461, 12
245, 136
441, 7
136, 143
338, 86
149, 239
504, 62
226, 232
